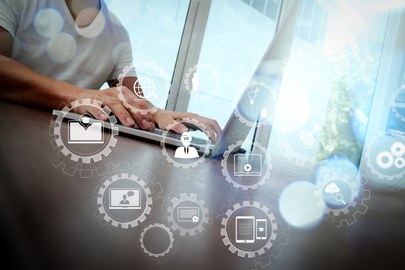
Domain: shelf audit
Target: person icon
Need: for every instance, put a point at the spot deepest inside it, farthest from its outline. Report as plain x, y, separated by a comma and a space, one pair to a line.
186, 152
124, 199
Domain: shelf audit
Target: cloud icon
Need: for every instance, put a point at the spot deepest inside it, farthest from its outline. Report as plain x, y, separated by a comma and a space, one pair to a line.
332, 188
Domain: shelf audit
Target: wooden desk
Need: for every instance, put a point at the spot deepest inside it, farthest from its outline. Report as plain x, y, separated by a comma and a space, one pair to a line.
49, 218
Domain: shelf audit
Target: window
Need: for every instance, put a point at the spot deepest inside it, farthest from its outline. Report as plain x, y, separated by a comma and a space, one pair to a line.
155, 28
236, 38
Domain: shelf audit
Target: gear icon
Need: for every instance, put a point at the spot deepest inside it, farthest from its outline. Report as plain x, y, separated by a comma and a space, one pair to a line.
194, 162
399, 162
395, 105
230, 176
190, 78
290, 153
56, 131
270, 243
117, 221
155, 69
382, 154
252, 116
156, 254
200, 221
353, 207
398, 149
385, 160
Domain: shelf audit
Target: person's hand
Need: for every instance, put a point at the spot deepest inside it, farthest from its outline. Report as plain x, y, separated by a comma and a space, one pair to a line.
128, 117
165, 120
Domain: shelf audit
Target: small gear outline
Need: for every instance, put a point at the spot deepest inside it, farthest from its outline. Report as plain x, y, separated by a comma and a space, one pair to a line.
355, 208
393, 103
193, 69
204, 217
167, 156
380, 157
397, 149
227, 241
370, 160
247, 122
290, 153
101, 192
167, 230
399, 162
57, 141
153, 66
228, 176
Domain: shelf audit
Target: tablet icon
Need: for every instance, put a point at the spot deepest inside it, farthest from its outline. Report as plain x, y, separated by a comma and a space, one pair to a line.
248, 229
125, 198
248, 164
85, 131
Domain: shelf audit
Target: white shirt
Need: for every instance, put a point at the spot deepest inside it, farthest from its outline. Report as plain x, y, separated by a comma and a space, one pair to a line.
47, 40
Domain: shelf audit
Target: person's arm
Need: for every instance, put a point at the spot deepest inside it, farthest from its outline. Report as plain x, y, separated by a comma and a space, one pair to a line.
22, 85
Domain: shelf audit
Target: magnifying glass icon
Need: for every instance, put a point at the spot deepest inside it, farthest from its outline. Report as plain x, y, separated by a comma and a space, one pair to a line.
148, 88
339, 198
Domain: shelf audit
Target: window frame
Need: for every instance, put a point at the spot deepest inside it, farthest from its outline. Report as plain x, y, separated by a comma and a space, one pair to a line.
189, 53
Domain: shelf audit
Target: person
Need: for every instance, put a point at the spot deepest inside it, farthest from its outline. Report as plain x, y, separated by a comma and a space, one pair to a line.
52, 51
186, 151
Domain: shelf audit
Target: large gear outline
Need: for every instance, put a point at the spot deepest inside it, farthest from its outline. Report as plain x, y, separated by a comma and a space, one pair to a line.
167, 156
247, 122
57, 142
228, 176
369, 160
204, 217
121, 77
146, 211
393, 105
290, 153
168, 231
224, 233
359, 206
193, 69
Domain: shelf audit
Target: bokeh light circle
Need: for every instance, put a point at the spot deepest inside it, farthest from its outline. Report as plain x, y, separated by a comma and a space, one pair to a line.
298, 205
62, 48
48, 22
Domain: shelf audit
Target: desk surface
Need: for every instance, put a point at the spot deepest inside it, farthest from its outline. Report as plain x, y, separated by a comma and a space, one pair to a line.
50, 218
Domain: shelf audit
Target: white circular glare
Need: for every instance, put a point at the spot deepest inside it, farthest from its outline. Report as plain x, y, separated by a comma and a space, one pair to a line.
62, 48
293, 108
48, 22
298, 205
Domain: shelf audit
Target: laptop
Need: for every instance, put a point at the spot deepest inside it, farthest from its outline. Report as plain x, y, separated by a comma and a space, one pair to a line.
277, 53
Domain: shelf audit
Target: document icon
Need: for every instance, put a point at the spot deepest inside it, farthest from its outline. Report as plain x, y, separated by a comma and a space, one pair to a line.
188, 214
85, 131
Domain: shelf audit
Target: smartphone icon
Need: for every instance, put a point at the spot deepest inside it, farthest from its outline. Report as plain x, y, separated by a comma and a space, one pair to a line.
261, 229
